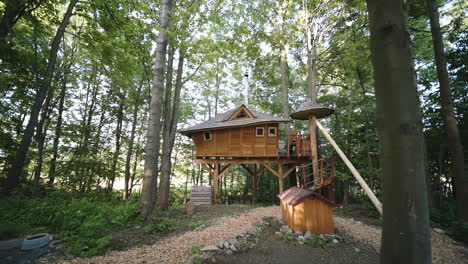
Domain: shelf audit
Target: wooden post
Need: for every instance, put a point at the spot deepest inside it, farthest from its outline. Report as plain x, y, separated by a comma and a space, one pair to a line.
313, 148
280, 177
353, 170
216, 183
254, 184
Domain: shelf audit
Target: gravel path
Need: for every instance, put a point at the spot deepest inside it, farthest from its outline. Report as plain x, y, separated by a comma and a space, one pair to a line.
177, 249
444, 249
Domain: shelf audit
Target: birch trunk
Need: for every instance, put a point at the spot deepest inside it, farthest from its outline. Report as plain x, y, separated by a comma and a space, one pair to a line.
150, 176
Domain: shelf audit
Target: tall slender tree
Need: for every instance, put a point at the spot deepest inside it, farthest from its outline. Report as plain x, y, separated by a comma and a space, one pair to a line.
448, 113
20, 157
150, 176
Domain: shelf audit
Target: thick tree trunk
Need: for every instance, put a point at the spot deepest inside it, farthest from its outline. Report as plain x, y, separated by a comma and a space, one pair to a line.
169, 138
20, 157
311, 66
149, 192
406, 236
448, 112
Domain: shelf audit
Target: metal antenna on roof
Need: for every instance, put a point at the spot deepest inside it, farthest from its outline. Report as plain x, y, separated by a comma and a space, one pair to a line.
246, 88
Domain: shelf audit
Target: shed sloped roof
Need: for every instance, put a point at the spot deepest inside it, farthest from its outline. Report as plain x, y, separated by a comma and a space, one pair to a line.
222, 121
296, 195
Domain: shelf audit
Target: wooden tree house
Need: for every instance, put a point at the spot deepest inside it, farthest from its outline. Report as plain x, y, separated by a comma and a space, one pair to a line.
242, 136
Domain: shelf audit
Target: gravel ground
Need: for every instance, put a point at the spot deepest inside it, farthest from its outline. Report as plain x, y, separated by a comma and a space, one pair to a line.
177, 249
444, 249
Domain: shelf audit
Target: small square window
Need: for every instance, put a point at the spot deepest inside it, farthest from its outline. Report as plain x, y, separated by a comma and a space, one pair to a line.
208, 136
272, 131
259, 132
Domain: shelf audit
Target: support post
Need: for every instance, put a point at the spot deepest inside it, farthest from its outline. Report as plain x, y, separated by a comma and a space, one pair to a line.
254, 184
216, 184
313, 148
280, 177
367, 190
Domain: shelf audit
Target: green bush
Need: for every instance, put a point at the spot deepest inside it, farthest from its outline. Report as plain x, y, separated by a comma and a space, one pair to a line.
316, 241
83, 223
161, 225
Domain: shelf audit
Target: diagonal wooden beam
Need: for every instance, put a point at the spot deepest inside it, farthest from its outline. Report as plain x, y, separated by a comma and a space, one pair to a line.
224, 170
289, 171
247, 169
207, 167
260, 169
272, 170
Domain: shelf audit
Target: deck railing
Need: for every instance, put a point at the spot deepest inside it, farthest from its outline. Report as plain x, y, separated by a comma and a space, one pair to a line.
298, 145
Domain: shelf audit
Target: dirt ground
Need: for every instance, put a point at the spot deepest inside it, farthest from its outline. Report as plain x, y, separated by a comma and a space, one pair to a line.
272, 249
136, 236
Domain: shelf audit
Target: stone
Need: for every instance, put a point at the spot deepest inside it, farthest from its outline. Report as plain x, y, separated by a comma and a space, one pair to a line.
233, 248
220, 244
357, 250
335, 241
359, 222
297, 233
307, 235
277, 233
301, 243
233, 241
300, 238
321, 236
210, 248
438, 230
251, 232
226, 245
229, 252
289, 230
190, 208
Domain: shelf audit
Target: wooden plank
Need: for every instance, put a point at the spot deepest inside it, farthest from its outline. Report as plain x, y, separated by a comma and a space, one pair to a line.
353, 170
207, 167
255, 160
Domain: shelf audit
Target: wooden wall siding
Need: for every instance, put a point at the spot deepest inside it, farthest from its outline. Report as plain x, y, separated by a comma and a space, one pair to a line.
237, 142
315, 216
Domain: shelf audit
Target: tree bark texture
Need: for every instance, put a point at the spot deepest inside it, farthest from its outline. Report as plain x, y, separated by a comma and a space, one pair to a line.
20, 157
448, 113
150, 176
406, 236
170, 127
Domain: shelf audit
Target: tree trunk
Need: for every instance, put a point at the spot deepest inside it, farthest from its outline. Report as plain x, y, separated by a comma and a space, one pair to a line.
128, 159
58, 127
14, 10
169, 138
450, 121
311, 66
150, 177
406, 236
20, 157
118, 136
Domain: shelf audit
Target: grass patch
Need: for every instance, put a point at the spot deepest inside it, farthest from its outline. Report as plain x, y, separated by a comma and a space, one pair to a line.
196, 224
195, 250
316, 241
161, 225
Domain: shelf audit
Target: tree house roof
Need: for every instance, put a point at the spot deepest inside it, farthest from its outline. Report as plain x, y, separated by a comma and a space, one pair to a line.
311, 108
296, 195
237, 117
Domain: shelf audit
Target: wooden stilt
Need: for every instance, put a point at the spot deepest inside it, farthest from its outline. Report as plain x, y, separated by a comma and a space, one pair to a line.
280, 178
216, 183
254, 184
313, 148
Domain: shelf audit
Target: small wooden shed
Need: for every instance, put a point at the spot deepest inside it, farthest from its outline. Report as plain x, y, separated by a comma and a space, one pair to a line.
305, 210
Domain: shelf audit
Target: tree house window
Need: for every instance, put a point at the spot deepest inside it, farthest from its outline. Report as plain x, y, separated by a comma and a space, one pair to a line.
272, 132
208, 136
259, 132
